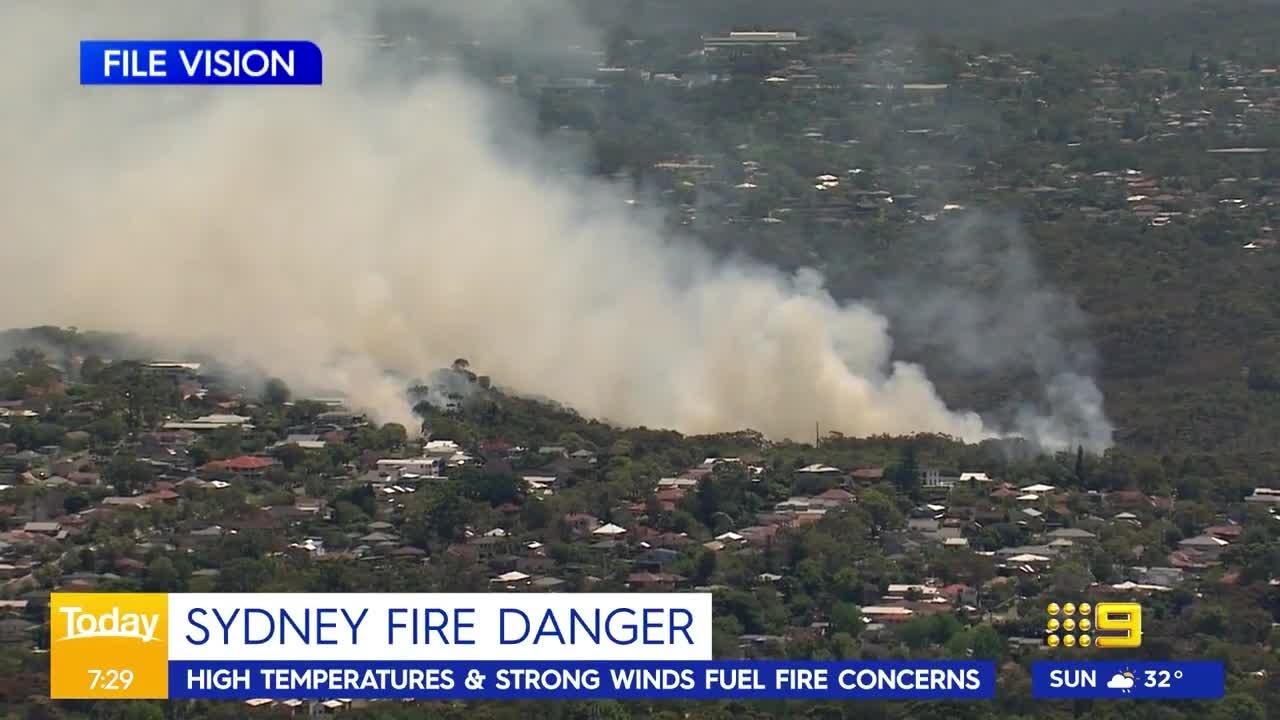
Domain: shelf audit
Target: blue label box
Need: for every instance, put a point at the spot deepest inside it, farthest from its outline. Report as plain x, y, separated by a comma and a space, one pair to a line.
1128, 680
200, 62
494, 680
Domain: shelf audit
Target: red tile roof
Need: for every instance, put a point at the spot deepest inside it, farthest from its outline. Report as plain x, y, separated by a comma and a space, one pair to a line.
837, 495
243, 463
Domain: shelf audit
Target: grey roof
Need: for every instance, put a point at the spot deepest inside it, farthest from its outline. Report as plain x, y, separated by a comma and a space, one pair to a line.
1071, 533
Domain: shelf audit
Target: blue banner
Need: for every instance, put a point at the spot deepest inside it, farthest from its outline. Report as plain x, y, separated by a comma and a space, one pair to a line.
738, 680
1136, 680
200, 62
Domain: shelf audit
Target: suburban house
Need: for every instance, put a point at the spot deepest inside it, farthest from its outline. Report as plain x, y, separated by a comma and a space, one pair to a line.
247, 465
819, 470
211, 422
397, 469
1269, 496
1205, 546
933, 479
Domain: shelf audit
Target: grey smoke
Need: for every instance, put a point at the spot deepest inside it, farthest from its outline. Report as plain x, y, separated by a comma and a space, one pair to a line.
444, 388
333, 235
975, 300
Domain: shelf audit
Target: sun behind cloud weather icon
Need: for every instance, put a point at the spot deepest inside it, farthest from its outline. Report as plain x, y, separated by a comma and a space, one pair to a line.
1122, 682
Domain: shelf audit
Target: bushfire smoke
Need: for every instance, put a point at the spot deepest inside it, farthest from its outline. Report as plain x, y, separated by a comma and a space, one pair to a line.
332, 235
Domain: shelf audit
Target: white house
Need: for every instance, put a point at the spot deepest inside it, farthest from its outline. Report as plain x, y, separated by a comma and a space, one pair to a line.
818, 469
1264, 495
931, 479
409, 468
540, 485
441, 448
211, 422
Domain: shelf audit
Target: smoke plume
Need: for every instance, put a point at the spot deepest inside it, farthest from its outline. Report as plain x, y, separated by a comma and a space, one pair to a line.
975, 298
333, 235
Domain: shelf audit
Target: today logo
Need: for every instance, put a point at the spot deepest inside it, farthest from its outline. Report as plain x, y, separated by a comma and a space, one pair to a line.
113, 624
117, 635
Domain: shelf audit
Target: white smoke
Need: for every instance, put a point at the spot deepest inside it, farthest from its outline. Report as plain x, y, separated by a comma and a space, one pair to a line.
974, 297
332, 235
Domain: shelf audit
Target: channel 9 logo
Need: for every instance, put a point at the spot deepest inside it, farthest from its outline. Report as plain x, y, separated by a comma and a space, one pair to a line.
1105, 625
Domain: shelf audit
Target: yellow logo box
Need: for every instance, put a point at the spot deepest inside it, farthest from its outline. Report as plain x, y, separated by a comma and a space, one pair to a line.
108, 646
1114, 625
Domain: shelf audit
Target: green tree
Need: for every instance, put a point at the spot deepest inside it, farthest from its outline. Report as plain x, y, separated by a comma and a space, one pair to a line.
391, 436
986, 644
906, 474
1237, 706
847, 618
127, 476
110, 429
494, 488
437, 513
1070, 579
880, 512
75, 503
225, 442
707, 500
291, 455
139, 711
161, 576
244, 574
91, 368
29, 358
705, 568
535, 514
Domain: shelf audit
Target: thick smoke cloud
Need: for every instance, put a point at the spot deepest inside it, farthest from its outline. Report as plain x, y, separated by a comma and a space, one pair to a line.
976, 300
333, 235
